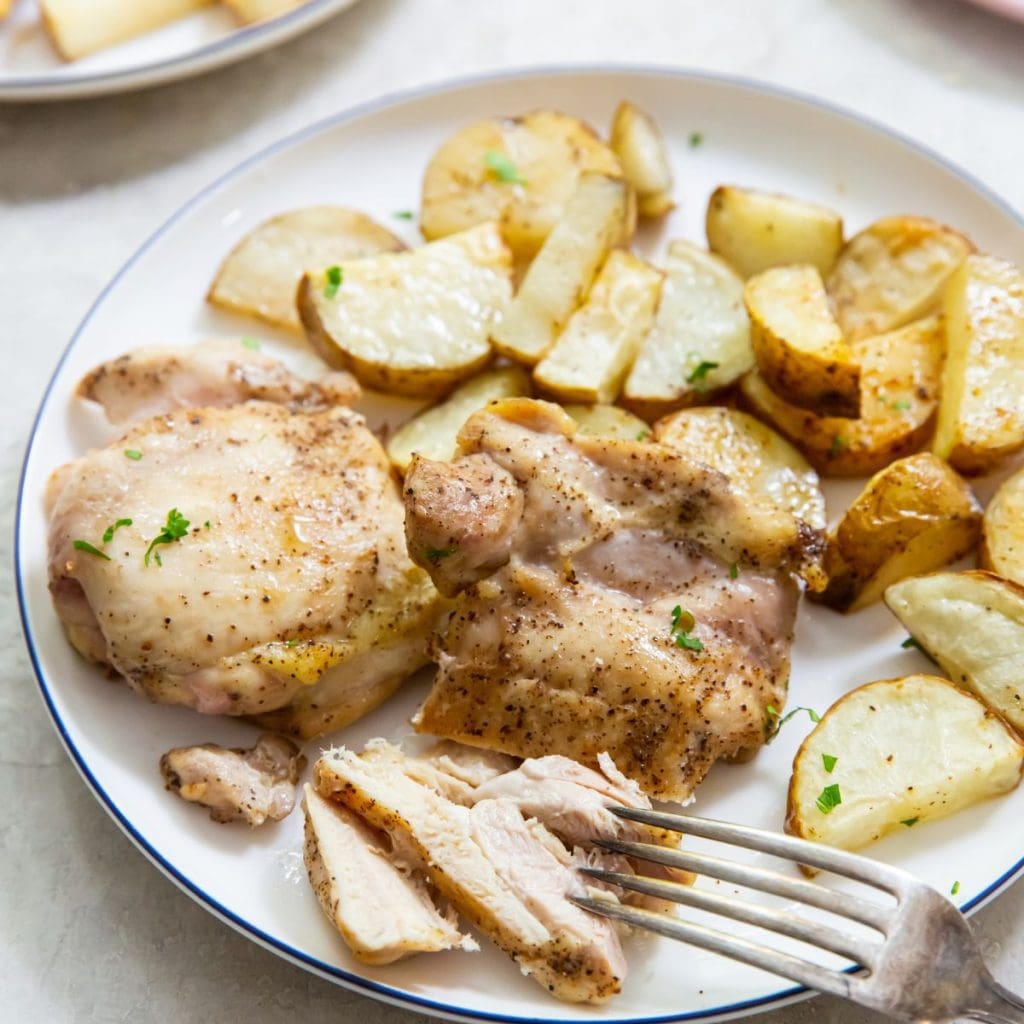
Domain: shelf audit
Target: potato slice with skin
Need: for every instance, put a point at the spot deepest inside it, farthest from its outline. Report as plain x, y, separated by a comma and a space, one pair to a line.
906, 751
972, 624
900, 374
518, 171
893, 272
699, 342
756, 230
411, 323
799, 348
608, 421
260, 275
637, 141
750, 454
914, 516
561, 274
433, 432
981, 414
593, 354
1002, 544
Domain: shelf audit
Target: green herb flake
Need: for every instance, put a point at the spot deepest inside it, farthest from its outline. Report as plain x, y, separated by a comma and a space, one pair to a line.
91, 549
734, 571
699, 374
682, 623
132, 453
252, 343
955, 889
829, 762
403, 215
775, 720
838, 444
206, 525
291, 643
901, 406
174, 529
909, 643
830, 799
334, 277
502, 167
434, 555
909, 822
642, 436
108, 533
696, 139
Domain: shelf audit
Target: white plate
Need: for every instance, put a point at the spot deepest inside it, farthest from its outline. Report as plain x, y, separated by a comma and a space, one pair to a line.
31, 69
373, 158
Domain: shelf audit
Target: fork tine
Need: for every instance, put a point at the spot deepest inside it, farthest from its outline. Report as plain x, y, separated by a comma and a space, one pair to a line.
843, 904
819, 935
814, 855
783, 964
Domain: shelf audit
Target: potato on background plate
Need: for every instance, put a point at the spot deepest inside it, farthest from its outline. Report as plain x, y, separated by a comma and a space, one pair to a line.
1002, 530
895, 754
637, 141
250, 11
900, 374
972, 624
260, 275
755, 230
914, 516
411, 323
800, 351
981, 414
699, 342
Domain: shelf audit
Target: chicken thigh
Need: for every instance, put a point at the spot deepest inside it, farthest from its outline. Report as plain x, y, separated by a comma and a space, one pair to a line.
614, 597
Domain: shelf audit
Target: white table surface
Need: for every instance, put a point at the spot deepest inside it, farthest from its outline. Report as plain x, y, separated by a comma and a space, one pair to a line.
89, 931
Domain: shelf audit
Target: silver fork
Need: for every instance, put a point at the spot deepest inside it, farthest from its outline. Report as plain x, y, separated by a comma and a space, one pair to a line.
924, 964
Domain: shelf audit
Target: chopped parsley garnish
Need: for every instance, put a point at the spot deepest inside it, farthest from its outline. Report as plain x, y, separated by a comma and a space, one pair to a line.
829, 762
955, 889
910, 822
682, 623
901, 406
642, 436
435, 555
503, 168
252, 343
206, 525
132, 453
910, 642
830, 799
291, 643
334, 278
84, 545
174, 529
699, 373
776, 720
108, 533
696, 138
734, 571
403, 215
838, 444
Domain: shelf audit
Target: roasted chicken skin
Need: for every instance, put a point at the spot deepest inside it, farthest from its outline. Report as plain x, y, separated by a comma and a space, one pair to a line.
635, 604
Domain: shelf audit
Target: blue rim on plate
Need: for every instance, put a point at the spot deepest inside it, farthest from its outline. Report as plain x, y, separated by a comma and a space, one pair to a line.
328, 971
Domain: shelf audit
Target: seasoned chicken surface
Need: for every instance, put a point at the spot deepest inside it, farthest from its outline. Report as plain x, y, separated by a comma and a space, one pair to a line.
383, 911
152, 381
249, 561
237, 784
510, 877
633, 603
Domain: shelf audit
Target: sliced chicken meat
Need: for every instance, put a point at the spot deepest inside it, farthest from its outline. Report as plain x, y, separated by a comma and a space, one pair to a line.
250, 561
252, 784
384, 913
152, 381
633, 603
509, 878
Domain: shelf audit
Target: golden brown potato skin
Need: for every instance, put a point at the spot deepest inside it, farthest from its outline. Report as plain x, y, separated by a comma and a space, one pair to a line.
1002, 543
900, 374
913, 517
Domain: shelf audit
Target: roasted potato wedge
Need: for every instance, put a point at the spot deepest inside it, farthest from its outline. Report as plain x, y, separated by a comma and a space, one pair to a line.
562, 272
81, 27
637, 141
800, 351
914, 516
900, 374
1002, 530
518, 171
981, 413
593, 354
902, 752
608, 421
755, 230
432, 433
972, 624
893, 272
260, 275
699, 342
411, 323
250, 11
750, 454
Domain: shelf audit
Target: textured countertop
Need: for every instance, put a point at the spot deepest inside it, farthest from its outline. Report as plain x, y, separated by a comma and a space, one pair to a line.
89, 930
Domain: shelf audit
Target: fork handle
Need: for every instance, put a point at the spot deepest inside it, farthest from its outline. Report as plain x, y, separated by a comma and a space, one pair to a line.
1001, 1006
